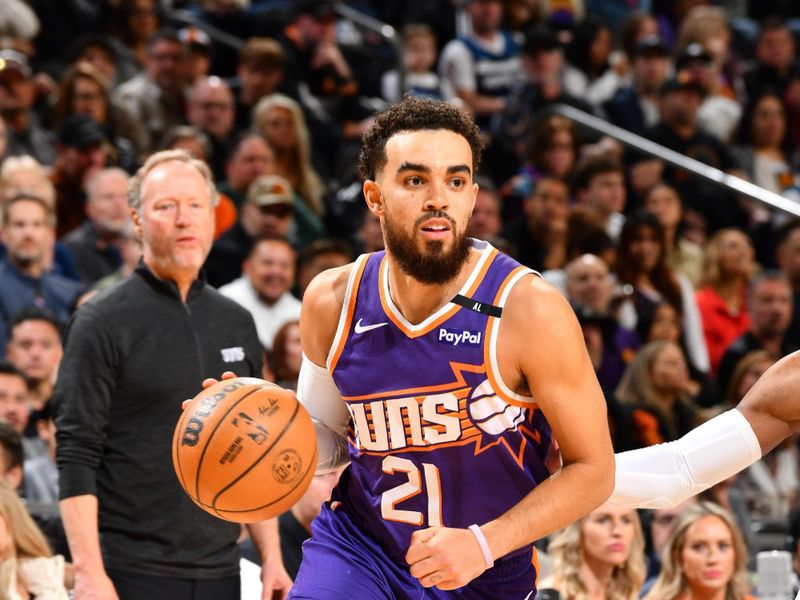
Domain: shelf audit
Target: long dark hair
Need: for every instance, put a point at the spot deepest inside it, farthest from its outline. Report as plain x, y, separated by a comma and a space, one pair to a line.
744, 131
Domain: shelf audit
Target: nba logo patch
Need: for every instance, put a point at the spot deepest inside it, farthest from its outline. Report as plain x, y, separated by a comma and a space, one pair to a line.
230, 355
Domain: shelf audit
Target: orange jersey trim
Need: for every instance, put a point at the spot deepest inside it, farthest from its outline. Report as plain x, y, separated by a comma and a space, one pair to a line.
351, 309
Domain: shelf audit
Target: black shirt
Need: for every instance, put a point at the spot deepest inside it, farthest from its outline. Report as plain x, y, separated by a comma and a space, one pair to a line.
132, 355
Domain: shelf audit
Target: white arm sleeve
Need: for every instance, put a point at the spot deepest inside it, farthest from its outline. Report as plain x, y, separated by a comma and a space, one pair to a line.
319, 394
665, 475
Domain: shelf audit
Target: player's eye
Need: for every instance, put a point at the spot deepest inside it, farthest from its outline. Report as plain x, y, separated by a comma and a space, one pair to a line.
414, 180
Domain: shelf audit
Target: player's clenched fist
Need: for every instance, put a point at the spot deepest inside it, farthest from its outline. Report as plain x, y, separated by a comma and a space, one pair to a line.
445, 557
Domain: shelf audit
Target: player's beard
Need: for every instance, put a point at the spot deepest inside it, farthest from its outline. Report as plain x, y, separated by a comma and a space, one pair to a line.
433, 265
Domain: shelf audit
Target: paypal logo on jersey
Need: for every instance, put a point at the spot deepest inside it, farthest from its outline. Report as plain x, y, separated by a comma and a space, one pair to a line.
459, 337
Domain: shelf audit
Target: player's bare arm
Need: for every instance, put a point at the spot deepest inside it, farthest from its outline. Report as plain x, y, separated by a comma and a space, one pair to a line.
319, 316
540, 352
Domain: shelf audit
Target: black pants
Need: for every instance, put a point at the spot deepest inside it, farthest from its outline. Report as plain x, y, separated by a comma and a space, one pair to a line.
136, 586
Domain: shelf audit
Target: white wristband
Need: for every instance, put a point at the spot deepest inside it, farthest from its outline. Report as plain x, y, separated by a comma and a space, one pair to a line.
487, 554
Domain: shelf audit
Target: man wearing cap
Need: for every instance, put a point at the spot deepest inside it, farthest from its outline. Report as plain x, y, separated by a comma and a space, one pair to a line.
267, 212
198, 52
263, 288
82, 149
17, 97
635, 107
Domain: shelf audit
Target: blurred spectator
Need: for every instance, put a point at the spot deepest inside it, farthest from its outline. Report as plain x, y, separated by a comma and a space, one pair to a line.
28, 228
198, 53
26, 135
259, 73
29, 569
13, 397
211, 110
134, 22
590, 74
280, 121
264, 288
419, 58
18, 25
704, 553
599, 556
611, 347
485, 222
481, 67
25, 175
11, 454
320, 256
656, 386
101, 51
774, 57
94, 243
40, 483
540, 235
85, 91
635, 28
82, 150
34, 347
155, 98
769, 301
722, 298
287, 355
683, 255
370, 233
645, 278
635, 107
249, 158
787, 242
599, 185
268, 212
659, 523
704, 53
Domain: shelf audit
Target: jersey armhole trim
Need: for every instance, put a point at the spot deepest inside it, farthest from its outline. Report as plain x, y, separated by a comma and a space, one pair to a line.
490, 347
346, 315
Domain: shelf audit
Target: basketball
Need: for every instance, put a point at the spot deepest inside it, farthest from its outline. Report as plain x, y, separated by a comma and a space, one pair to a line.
245, 450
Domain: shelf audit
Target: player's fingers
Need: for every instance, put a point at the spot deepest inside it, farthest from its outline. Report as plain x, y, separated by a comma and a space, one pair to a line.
423, 568
228, 375
209, 381
418, 550
185, 403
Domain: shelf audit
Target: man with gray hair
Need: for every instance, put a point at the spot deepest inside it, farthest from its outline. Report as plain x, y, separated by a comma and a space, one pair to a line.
94, 245
132, 354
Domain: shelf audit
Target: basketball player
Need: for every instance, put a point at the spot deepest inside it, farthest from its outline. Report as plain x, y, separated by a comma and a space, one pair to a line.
442, 370
665, 475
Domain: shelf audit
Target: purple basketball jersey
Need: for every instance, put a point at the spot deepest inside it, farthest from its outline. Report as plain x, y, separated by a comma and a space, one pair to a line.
437, 438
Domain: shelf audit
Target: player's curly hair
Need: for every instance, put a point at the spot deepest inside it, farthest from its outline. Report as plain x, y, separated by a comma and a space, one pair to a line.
414, 114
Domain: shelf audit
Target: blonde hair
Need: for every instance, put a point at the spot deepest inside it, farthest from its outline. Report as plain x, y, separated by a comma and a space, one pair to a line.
309, 185
712, 274
671, 583
636, 386
27, 539
16, 164
566, 548
701, 23
136, 182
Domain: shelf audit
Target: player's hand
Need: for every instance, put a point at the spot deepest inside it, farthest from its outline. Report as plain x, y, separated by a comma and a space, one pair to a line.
208, 382
90, 586
276, 581
444, 557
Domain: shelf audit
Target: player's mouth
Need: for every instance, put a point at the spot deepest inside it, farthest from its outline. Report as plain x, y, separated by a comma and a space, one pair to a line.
436, 229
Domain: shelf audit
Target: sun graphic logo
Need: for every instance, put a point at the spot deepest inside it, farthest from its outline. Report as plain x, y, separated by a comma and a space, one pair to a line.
491, 414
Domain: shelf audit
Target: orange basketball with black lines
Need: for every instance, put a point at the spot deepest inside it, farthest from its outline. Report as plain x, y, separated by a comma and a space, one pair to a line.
245, 449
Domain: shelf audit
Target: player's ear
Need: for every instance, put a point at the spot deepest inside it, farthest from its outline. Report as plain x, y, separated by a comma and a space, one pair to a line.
373, 197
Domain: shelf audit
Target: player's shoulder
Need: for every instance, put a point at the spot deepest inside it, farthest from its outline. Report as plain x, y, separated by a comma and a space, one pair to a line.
532, 295
326, 292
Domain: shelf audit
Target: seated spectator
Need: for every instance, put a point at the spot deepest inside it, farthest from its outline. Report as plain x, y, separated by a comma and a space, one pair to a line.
14, 406
599, 185
774, 57
134, 23
85, 91
722, 298
24, 174
600, 556
26, 134
769, 302
787, 244
198, 53
268, 213
635, 107
28, 227
104, 54
589, 73
249, 158
210, 109
658, 524
419, 58
263, 289
485, 223
35, 348
94, 244
287, 355
12, 455
82, 150
705, 539
320, 256
28, 568
370, 234
40, 483
259, 73
683, 255
540, 235
280, 121
656, 387
641, 265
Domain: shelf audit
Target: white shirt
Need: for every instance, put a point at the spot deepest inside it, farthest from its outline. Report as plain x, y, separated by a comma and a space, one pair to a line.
269, 318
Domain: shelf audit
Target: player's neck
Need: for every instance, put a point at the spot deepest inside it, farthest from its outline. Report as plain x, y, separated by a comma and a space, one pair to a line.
416, 300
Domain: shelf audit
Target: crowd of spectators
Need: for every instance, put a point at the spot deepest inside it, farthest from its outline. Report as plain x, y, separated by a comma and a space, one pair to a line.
686, 290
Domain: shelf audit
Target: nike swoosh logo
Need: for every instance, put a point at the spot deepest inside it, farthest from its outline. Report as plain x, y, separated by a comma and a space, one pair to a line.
364, 328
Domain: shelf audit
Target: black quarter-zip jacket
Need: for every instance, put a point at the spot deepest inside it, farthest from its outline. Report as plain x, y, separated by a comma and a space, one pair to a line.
132, 355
